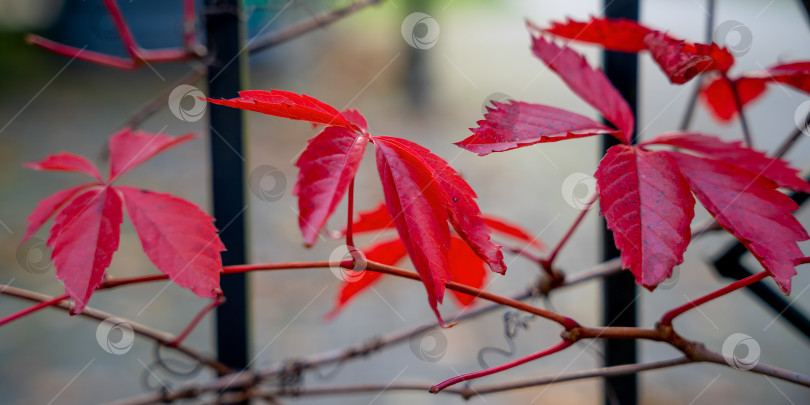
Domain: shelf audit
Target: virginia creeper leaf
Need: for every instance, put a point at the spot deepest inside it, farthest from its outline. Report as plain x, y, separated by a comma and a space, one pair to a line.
355, 118
590, 84
465, 268
678, 59
515, 124
514, 230
328, 165
389, 252
178, 238
613, 34
736, 154
84, 237
416, 203
750, 208
46, 208
286, 104
648, 206
66, 162
129, 149
459, 198
718, 96
374, 219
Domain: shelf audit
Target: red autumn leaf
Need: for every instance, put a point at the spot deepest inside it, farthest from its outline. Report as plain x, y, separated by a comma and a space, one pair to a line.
83, 238
648, 206
736, 154
86, 230
588, 83
678, 59
459, 198
717, 95
416, 203
516, 124
465, 268
46, 208
750, 208
328, 165
354, 117
389, 252
66, 162
178, 238
374, 219
286, 104
614, 34
129, 149
516, 231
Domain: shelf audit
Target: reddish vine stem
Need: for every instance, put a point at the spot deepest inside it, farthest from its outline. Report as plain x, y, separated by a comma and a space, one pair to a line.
668, 317
547, 263
350, 218
35, 308
506, 366
804, 260
738, 104
194, 322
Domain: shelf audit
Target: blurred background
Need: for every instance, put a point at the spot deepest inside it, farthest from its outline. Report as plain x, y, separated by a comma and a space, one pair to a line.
50, 103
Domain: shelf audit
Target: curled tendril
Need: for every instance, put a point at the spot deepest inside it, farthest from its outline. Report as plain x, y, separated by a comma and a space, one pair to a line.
168, 367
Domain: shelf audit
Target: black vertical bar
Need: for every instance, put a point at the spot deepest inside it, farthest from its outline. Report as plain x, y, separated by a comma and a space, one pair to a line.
619, 290
225, 75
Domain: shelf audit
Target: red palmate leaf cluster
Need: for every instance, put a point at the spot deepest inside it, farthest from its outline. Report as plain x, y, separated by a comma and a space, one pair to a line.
422, 192
646, 194
176, 235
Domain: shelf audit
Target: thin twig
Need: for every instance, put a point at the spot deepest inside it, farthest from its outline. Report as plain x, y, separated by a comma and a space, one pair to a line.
276, 38
161, 338
668, 317
792, 138
735, 93
162, 99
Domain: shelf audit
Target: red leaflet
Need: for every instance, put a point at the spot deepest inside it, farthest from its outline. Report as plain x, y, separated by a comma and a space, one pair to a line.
751, 209
84, 238
718, 97
614, 34
590, 84
286, 104
717, 93
47, 207
648, 206
465, 268
416, 204
328, 165
129, 149
354, 117
459, 198
516, 124
680, 60
66, 162
513, 230
389, 252
735, 154
372, 220
178, 238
